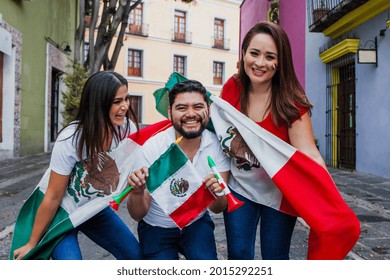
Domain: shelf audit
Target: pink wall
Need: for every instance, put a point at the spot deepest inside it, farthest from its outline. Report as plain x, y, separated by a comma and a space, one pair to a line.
292, 15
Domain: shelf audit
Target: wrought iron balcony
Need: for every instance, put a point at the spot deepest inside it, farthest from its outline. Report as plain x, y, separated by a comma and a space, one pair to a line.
139, 30
185, 37
220, 43
324, 13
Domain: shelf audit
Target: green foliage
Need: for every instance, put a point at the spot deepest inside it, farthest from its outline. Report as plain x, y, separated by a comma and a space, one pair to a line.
74, 81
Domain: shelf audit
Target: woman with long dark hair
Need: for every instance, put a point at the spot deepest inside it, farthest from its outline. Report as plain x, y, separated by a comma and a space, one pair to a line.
81, 166
268, 92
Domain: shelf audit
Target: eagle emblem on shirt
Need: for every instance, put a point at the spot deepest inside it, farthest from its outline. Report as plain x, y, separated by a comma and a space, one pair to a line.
94, 178
234, 146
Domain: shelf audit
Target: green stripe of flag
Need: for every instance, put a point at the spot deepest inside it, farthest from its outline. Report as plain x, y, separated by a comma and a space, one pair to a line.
24, 224
167, 165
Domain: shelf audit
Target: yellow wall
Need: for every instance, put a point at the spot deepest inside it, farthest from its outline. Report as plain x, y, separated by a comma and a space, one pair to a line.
158, 48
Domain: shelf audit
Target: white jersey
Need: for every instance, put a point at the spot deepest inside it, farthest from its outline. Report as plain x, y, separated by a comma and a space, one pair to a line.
157, 145
87, 181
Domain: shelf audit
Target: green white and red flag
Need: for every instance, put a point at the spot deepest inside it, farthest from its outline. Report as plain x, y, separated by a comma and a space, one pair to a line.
175, 185
71, 213
297, 184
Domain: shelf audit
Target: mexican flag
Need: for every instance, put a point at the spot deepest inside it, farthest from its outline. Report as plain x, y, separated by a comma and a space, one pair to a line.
297, 184
305, 188
176, 186
70, 214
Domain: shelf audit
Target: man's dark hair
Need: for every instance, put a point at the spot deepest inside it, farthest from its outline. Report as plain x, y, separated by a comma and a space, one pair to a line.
187, 86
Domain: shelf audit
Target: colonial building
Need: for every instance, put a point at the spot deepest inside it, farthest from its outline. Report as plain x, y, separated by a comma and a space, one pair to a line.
35, 40
348, 66
198, 40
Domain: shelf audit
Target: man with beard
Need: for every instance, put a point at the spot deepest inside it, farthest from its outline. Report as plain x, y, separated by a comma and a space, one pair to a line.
159, 236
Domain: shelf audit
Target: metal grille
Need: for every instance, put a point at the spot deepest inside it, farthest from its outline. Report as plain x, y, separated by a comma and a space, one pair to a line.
340, 113
347, 124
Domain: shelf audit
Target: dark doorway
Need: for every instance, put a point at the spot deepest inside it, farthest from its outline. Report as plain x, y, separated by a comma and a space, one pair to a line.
347, 120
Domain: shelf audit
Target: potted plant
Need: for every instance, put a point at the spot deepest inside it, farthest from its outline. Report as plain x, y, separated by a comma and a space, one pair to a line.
320, 11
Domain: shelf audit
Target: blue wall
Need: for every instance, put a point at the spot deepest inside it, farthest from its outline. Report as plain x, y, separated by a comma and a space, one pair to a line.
373, 102
372, 97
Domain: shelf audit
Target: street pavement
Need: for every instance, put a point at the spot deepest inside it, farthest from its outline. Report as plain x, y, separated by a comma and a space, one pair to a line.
367, 195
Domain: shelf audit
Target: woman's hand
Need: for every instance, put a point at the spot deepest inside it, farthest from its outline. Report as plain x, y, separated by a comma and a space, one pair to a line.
46, 212
22, 251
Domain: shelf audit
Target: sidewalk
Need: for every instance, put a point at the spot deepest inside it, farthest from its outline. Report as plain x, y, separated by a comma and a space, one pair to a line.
367, 195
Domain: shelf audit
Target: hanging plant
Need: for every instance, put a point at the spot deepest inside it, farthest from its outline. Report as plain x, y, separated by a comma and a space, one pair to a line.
273, 12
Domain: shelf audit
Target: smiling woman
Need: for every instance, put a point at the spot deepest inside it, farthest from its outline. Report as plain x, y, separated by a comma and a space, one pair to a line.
81, 168
268, 92
120, 106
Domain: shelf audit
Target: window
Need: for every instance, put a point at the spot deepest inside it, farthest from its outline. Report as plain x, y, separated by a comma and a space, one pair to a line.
218, 72
134, 63
135, 19
136, 105
219, 30
180, 26
179, 64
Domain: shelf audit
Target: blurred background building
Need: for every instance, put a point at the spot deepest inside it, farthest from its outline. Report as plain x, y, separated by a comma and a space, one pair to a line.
199, 41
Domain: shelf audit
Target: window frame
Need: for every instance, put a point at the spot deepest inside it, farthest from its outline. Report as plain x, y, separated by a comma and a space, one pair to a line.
176, 62
219, 33
180, 26
131, 69
136, 18
137, 100
218, 72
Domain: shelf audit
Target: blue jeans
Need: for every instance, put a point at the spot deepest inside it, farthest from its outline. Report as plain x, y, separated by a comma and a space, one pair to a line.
108, 231
276, 230
195, 242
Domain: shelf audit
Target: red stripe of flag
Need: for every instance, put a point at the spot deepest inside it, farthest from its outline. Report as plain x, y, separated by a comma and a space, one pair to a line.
334, 228
141, 136
191, 208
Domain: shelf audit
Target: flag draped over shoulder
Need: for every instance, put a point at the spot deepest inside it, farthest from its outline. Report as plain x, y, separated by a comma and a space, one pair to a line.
176, 186
303, 186
69, 215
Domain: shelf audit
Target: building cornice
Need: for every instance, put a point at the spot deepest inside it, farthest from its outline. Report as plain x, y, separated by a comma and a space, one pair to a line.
344, 47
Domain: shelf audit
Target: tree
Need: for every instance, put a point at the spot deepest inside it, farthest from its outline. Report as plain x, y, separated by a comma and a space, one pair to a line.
74, 82
114, 16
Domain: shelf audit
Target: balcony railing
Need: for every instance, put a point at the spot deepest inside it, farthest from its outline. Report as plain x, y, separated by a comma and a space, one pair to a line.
223, 44
324, 13
185, 37
139, 30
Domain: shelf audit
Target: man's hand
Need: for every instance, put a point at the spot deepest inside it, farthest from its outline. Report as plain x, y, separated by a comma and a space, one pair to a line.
212, 184
137, 179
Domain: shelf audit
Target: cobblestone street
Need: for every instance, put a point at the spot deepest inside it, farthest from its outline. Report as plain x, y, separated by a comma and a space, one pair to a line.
367, 195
